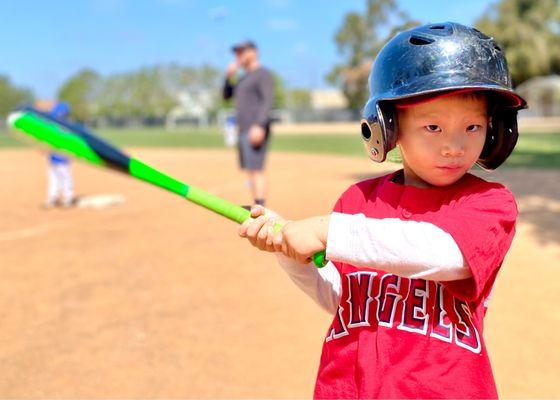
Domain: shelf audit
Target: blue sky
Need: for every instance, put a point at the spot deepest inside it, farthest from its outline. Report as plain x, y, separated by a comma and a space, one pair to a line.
45, 42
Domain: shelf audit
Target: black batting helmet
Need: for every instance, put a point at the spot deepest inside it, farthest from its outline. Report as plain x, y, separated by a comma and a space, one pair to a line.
436, 58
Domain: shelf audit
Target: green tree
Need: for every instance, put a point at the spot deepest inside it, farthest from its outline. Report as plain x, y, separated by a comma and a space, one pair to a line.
148, 96
279, 92
529, 33
151, 92
80, 92
114, 96
204, 82
358, 41
11, 96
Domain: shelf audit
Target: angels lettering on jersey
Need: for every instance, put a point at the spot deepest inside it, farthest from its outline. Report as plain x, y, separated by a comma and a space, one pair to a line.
414, 305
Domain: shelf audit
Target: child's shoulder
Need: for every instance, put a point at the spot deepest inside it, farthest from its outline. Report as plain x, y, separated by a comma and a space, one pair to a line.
473, 185
359, 193
476, 193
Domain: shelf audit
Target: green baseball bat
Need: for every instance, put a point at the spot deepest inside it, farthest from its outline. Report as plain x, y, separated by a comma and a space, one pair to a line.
77, 141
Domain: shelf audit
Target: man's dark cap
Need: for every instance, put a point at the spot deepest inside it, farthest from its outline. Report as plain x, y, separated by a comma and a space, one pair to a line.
247, 44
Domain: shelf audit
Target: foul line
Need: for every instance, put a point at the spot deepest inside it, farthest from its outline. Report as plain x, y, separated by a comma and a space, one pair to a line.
23, 233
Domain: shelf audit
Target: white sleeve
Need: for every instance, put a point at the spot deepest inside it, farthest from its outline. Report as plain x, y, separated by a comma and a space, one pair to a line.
406, 248
321, 284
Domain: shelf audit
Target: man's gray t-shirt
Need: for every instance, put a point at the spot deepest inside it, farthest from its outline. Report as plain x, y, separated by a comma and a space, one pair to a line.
254, 94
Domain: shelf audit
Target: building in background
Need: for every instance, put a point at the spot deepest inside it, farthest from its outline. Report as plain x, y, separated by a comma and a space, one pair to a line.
328, 99
326, 105
543, 96
194, 108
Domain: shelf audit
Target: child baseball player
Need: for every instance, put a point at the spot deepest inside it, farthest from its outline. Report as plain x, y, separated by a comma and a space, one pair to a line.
60, 188
413, 254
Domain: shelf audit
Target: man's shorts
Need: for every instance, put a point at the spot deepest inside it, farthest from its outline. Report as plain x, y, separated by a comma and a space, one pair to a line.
250, 157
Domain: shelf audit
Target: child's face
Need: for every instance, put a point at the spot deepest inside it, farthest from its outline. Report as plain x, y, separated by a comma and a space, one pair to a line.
440, 140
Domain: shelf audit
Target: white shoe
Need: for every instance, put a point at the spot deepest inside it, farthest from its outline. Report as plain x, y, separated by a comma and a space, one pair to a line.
67, 203
49, 204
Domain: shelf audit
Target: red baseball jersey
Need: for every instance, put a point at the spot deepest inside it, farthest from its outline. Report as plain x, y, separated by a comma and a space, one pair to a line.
395, 337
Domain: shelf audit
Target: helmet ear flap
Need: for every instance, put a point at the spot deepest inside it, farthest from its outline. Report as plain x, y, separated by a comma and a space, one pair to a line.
501, 138
379, 133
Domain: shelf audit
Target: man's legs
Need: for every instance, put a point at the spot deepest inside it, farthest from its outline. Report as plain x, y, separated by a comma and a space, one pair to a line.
257, 180
252, 161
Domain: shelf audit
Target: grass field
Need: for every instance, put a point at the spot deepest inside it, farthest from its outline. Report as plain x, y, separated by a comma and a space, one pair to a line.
533, 150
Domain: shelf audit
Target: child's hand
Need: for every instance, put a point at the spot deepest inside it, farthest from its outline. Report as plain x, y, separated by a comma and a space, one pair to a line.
300, 240
260, 229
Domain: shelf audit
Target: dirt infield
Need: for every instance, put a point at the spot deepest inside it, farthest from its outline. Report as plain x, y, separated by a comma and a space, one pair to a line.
158, 298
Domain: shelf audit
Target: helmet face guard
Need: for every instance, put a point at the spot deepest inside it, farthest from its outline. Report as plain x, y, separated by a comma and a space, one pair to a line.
432, 59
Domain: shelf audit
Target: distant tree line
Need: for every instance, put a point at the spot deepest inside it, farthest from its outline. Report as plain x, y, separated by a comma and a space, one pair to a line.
144, 95
148, 94
10, 96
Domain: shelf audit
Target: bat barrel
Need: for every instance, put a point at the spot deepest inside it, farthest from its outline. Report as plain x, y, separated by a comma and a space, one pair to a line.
213, 203
68, 137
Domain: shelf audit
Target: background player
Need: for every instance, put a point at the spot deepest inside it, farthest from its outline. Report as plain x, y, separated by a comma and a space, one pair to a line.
60, 187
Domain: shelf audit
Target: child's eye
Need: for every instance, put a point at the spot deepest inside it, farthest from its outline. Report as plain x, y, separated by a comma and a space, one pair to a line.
433, 128
474, 128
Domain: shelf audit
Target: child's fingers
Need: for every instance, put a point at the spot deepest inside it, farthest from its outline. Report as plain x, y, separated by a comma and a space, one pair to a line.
262, 237
277, 241
272, 214
242, 231
285, 249
254, 228
257, 211
260, 229
269, 243
270, 236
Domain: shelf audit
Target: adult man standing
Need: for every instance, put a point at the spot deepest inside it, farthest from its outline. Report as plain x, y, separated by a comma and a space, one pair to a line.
253, 93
